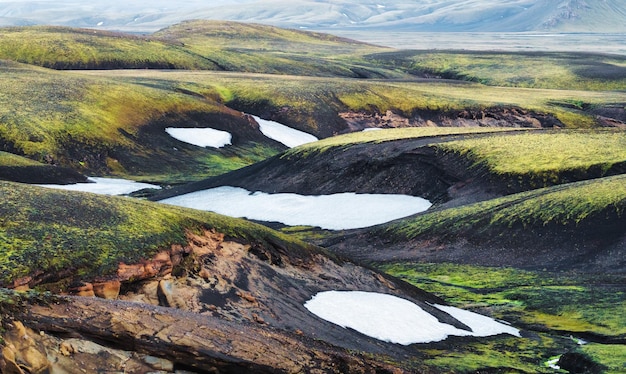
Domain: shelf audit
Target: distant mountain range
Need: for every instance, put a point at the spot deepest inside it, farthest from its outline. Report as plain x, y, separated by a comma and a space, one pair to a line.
604, 16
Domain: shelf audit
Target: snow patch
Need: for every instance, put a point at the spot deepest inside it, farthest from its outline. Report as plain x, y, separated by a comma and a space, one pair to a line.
104, 186
284, 134
396, 320
202, 137
340, 211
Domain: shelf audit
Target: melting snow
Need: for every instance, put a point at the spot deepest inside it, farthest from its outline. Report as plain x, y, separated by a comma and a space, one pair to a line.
396, 320
284, 134
335, 212
202, 137
104, 186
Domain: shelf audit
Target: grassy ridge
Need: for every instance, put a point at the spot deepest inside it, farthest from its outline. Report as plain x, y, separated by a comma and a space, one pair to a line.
193, 45
558, 70
49, 231
387, 135
95, 125
9, 159
68, 48
569, 204
258, 48
313, 103
543, 159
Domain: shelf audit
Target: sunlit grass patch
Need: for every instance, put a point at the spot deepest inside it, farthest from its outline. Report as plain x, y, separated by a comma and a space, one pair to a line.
613, 357
9, 159
561, 205
388, 135
548, 153
67, 48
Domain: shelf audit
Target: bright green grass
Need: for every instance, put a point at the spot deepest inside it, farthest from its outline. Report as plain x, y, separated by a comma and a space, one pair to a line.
388, 135
560, 302
563, 304
9, 159
49, 230
66, 48
544, 153
567, 204
611, 356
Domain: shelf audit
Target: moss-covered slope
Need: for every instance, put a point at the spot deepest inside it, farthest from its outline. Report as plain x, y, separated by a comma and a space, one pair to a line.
49, 234
193, 45
99, 126
71, 48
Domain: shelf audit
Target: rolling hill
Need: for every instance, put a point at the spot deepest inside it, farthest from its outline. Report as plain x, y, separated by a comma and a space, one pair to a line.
524, 167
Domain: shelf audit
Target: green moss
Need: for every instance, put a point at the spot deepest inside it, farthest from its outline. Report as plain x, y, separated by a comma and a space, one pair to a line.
9, 159
568, 204
545, 154
66, 48
43, 230
613, 357
387, 135
562, 304
94, 125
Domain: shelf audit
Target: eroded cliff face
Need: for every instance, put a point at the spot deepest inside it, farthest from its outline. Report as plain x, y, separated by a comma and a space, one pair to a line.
491, 117
214, 305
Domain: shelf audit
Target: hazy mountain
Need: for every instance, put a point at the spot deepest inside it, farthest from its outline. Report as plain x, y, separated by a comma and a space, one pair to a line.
401, 15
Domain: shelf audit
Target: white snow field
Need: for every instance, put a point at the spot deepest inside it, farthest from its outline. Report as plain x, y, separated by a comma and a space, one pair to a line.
104, 186
202, 137
284, 134
340, 211
396, 320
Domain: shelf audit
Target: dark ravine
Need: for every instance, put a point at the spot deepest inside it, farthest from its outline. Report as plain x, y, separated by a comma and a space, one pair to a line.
408, 166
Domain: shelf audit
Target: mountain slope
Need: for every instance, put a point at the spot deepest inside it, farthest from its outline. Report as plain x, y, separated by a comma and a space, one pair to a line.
99, 126
432, 15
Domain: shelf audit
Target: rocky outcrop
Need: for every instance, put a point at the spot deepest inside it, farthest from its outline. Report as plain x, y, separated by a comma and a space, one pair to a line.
130, 337
491, 117
216, 304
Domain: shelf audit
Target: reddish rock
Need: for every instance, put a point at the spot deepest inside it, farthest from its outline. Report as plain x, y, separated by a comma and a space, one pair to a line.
82, 289
107, 290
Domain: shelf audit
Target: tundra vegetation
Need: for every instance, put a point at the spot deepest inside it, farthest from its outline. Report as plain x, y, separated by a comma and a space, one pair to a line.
550, 212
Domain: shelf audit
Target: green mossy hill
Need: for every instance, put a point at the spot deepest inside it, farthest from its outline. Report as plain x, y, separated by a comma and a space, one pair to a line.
556, 309
539, 159
571, 71
56, 234
194, 45
320, 105
70, 48
243, 47
595, 203
99, 126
